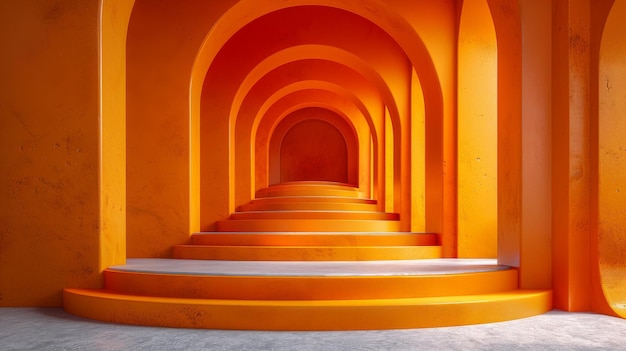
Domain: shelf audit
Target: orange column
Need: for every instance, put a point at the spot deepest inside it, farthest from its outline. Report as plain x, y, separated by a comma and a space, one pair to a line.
524, 176
418, 156
477, 132
571, 158
115, 15
508, 32
389, 175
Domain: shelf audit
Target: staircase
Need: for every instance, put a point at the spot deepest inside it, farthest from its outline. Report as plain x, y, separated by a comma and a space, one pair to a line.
308, 256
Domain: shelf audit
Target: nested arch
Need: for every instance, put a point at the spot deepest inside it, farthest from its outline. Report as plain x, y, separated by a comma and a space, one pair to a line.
313, 144
400, 33
299, 96
284, 72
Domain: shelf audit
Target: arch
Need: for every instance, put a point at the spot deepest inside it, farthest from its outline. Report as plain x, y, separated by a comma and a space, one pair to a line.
273, 84
313, 145
357, 121
245, 11
612, 160
220, 85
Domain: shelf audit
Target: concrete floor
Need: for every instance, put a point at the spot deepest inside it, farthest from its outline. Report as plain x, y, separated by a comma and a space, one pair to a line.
54, 329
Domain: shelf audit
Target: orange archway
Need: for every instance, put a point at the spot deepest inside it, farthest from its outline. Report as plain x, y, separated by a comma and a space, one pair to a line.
312, 148
400, 175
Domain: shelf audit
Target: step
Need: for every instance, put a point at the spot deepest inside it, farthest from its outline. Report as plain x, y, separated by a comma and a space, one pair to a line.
307, 184
309, 206
361, 314
314, 239
330, 215
300, 199
340, 284
305, 253
308, 191
308, 225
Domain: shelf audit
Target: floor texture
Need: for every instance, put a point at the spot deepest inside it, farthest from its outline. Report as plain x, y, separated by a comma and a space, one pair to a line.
54, 329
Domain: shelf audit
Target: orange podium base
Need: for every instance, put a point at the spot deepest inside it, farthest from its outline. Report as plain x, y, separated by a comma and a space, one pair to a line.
307, 295
308, 256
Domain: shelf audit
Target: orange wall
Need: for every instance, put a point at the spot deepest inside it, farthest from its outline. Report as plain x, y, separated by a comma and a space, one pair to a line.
599, 15
163, 40
52, 229
611, 195
313, 150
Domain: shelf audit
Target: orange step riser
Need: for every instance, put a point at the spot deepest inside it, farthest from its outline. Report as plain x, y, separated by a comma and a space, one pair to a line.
371, 315
303, 185
308, 225
312, 182
309, 206
308, 288
305, 253
273, 239
309, 192
331, 215
313, 199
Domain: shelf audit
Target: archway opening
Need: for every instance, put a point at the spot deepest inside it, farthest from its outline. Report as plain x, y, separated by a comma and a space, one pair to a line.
313, 150
313, 144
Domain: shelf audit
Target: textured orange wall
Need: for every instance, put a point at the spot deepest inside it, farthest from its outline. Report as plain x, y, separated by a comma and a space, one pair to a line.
49, 125
599, 14
163, 39
612, 161
314, 150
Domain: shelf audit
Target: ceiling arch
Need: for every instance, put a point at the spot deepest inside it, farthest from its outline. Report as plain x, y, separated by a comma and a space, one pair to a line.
377, 12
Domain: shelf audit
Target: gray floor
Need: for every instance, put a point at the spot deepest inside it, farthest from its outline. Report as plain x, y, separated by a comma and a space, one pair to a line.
53, 329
